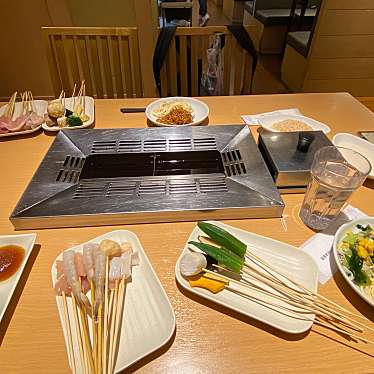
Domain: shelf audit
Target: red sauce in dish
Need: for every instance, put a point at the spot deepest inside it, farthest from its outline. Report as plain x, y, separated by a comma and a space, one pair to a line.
11, 257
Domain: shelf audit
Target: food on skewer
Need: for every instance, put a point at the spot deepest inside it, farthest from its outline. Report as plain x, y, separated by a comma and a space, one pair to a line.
28, 118
58, 115
103, 269
259, 276
192, 263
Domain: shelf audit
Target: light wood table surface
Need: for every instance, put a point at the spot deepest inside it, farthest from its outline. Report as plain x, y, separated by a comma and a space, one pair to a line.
208, 338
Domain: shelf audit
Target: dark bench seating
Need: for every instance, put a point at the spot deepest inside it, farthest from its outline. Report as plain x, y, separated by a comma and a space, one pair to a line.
280, 17
299, 41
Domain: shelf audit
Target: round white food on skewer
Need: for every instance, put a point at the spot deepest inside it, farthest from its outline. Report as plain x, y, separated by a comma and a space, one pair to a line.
192, 264
110, 248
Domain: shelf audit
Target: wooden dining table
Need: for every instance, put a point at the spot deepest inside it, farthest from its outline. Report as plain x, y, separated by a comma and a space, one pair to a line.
208, 338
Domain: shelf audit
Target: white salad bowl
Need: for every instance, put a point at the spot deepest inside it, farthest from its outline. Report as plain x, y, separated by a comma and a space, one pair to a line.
340, 234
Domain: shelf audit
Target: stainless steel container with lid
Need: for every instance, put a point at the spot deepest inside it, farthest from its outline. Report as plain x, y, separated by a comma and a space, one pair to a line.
289, 156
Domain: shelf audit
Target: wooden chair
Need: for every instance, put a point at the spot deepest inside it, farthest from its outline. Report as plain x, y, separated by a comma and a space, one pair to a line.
106, 58
187, 58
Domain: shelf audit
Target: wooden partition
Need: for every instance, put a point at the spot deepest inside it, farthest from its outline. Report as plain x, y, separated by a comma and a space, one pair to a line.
106, 58
187, 55
341, 57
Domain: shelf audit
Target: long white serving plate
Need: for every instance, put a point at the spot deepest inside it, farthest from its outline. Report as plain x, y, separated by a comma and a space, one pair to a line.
286, 259
40, 108
90, 110
8, 286
148, 318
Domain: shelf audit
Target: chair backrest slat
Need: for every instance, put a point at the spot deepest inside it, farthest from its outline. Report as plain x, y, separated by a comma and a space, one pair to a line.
106, 58
183, 65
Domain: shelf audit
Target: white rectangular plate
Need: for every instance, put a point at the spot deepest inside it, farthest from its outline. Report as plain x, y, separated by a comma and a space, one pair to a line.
40, 108
90, 110
148, 318
286, 259
8, 286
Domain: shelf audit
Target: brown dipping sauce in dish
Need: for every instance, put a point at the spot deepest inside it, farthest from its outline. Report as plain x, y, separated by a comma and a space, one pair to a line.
11, 257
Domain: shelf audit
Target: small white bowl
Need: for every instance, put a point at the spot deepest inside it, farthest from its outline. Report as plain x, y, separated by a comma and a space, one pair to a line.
200, 110
357, 144
269, 120
8, 286
338, 238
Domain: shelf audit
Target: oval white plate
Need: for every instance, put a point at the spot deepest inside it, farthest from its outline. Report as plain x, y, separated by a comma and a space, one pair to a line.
269, 120
40, 109
8, 286
200, 110
337, 239
90, 110
288, 260
356, 144
148, 318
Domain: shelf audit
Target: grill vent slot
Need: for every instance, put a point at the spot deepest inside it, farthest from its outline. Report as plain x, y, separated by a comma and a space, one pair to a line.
183, 186
180, 145
121, 188
152, 188
154, 145
233, 163
129, 146
136, 188
208, 185
104, 146
91, 189
72, 167
157, 145
205, 144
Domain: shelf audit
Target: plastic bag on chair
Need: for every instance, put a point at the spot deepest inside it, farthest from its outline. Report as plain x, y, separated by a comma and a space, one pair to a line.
212, 78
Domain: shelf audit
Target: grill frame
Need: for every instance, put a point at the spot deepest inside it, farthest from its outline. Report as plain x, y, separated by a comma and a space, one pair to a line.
246, 190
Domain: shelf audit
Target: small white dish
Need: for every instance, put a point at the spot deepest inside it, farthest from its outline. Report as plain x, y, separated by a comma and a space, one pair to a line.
286, 259
69, 101
40, 108
148, 318
200, 110
357, 144
350, 226
269, 120
8, 286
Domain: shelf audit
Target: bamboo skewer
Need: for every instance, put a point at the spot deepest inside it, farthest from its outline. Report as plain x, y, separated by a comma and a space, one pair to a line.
314, 298
79, 337
264, 263
68, 329
105, 363
113, 324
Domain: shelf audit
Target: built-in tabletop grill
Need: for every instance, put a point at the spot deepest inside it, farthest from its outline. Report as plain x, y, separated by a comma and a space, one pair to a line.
113, 176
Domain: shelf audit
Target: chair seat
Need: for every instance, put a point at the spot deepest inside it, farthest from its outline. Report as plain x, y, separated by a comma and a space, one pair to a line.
299, 40
280, 17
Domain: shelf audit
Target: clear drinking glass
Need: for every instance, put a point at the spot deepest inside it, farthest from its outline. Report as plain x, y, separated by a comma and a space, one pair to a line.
335, 174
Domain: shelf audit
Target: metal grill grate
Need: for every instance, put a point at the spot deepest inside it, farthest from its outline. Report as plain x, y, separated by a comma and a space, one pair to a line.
71, 168
233, 163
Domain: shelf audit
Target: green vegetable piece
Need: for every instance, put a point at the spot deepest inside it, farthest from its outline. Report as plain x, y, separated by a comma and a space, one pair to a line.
223, 238
366, 230
74, 121
224, 257
355, 266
